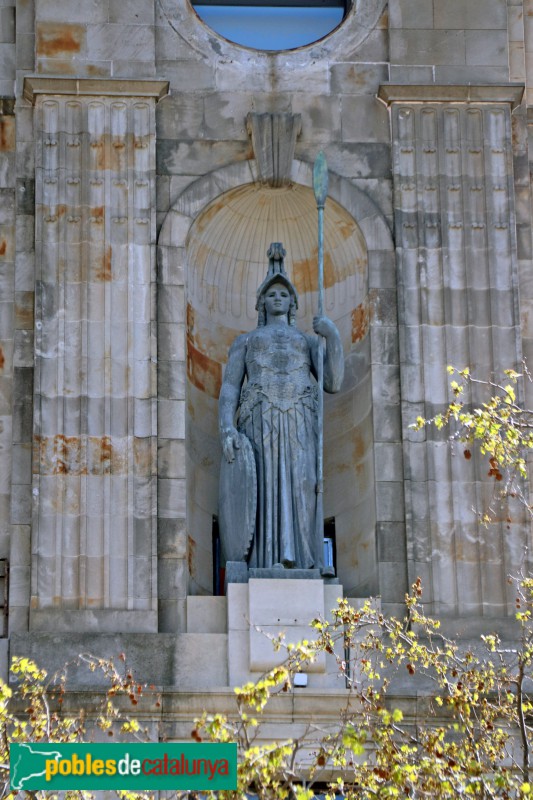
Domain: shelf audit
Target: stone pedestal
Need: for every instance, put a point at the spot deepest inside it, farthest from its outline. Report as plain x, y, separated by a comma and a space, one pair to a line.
261, 610
238, 572
280, 573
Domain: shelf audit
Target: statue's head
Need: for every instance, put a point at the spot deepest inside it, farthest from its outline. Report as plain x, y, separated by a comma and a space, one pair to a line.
276, 274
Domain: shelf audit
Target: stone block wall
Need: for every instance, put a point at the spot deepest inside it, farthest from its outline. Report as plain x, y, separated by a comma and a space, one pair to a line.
7, 49
454, 41
100, 38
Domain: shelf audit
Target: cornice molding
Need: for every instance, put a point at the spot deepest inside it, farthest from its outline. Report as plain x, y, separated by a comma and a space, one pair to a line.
35, 85
511, 93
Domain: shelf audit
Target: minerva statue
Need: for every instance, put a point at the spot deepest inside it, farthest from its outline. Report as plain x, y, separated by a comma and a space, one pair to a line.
269, 423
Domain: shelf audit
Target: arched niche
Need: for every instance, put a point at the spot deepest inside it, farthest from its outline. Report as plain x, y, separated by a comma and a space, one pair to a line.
212, 247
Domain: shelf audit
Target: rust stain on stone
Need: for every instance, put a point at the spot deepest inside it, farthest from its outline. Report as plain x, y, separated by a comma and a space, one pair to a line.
60, 66
100, 158
106, 454
99, 455
96, 71
7, 134
360, 322
142, 456
345, 228
2, 358
208, 215
24, 311
60, 456
77, 455
201, 255
358, 447
305, 273
340, 468
361, 264
66, 455
191, 547
302, 275
202, 371
105, 273
190, 320
3, 247
57, 39
215, 340
330, 277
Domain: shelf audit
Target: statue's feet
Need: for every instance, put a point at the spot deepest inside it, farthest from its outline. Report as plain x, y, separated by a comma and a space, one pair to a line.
327, 572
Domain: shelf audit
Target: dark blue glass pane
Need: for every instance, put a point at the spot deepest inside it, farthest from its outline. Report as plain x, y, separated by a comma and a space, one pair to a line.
267, 28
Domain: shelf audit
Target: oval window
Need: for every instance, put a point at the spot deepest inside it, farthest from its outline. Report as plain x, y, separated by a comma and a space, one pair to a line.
274, 25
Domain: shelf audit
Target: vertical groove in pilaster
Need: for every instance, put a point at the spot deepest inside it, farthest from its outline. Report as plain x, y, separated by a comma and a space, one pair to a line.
118, 347
447, 536
70, 183
410, 309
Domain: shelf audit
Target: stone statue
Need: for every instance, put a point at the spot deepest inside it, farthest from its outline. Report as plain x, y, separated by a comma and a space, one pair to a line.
269, 395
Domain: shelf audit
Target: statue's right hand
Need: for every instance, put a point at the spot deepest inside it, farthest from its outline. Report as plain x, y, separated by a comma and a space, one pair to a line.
231, 441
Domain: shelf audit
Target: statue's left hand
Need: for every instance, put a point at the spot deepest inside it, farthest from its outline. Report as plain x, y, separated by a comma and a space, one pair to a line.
323, 326
333, 358
230, 442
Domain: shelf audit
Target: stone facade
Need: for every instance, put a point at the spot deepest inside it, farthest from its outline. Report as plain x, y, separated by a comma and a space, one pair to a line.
145, 165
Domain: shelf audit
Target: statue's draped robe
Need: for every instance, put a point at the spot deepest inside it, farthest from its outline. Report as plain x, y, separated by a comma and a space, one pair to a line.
278, 414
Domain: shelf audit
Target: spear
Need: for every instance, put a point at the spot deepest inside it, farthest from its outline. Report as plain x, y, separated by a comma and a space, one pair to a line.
320, 187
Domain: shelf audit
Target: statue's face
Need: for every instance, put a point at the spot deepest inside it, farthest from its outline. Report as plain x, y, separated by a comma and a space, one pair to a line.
277, 300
